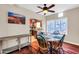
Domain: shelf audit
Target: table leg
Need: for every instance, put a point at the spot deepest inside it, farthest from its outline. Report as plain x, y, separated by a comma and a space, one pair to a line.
1, 47
30, 39
50, 47
19, 44
30, 47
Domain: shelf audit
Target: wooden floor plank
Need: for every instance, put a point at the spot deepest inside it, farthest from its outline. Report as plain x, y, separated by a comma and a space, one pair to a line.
68, 48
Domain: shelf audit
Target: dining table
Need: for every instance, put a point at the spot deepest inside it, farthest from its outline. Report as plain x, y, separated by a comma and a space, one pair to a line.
51, 44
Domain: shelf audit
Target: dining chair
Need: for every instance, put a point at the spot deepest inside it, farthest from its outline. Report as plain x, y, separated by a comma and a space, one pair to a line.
42, 44
57, 46
60, 48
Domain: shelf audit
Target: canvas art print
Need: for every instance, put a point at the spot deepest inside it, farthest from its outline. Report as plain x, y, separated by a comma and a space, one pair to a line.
16, 18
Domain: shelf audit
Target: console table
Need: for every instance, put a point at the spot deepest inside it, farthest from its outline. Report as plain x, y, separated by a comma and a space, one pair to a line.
15, 36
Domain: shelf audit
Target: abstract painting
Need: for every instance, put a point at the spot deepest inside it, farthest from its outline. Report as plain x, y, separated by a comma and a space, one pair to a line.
16, 18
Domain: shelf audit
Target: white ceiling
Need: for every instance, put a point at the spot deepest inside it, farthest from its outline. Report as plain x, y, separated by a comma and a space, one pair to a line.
58, 7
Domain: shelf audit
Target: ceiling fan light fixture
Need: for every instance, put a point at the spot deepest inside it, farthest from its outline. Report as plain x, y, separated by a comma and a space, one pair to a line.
45, 11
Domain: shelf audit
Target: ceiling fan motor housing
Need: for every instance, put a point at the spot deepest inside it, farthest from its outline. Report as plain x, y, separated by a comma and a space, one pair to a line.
45, 8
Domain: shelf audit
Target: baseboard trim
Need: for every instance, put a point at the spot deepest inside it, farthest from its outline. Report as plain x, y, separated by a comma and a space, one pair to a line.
75, 45
72, 43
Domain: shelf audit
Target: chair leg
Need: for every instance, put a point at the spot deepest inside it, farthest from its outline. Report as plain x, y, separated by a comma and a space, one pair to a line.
60, 51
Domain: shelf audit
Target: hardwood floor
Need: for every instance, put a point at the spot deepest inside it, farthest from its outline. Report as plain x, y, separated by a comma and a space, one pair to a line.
68, 49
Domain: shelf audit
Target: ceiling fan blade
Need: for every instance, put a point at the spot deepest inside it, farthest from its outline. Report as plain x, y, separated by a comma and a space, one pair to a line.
39, 11
51, 11
39, 7
44, 5
51, 6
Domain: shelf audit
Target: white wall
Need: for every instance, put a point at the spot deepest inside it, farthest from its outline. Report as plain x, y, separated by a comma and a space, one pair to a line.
73, 25
7, 29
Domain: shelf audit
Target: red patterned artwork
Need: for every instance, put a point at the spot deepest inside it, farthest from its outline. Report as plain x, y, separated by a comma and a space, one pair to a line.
16, 18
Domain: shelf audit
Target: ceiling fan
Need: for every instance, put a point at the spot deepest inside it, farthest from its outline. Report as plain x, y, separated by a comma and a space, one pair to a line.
46, 9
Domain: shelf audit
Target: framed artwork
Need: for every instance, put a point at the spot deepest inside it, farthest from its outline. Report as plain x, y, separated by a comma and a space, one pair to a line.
16, 18
35, 23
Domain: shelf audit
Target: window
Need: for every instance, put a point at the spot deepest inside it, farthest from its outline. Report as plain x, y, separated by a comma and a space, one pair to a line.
60, 14
58, 25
